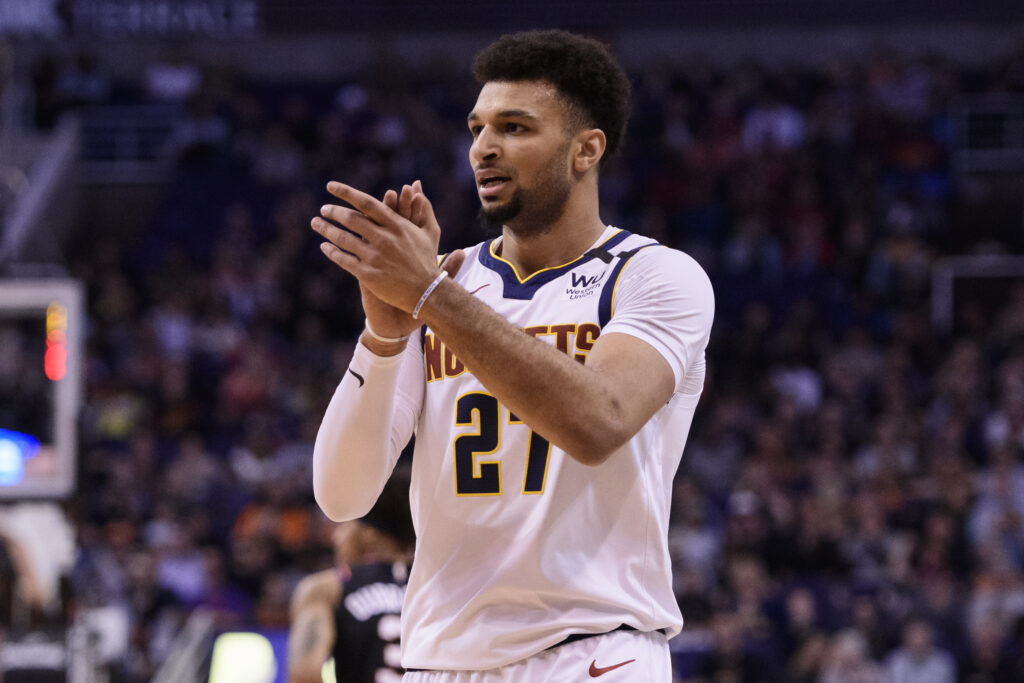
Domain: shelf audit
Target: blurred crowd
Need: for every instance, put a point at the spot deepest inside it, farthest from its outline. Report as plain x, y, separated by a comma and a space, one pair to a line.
850, 505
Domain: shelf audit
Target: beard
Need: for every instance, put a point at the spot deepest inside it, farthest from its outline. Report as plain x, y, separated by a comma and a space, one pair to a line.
532, 211
493, 220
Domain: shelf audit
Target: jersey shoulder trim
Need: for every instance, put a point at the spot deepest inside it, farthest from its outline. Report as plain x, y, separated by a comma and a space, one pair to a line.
516, 287
606, 304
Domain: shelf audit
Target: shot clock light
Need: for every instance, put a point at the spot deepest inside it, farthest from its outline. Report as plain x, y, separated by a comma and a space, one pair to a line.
41, 334
55, 362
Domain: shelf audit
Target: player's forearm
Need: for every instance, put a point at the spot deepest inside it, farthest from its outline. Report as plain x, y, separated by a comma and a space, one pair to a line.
309, 644
357, 444
564, 401
305, 670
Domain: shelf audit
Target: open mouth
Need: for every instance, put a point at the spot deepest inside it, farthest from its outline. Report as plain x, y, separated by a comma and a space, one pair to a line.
492, 186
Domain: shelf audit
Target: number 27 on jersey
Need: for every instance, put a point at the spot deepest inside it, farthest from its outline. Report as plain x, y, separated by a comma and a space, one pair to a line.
476, 476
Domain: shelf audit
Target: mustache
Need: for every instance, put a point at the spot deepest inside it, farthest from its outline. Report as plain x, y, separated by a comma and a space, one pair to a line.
493, 167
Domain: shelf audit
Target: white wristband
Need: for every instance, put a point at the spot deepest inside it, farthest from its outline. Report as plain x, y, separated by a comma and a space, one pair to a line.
385, 340
430, 290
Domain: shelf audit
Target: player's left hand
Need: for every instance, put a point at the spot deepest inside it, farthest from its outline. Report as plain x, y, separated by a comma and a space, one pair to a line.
392, 255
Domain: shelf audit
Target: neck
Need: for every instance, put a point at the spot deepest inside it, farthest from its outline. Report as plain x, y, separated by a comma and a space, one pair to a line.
565, 239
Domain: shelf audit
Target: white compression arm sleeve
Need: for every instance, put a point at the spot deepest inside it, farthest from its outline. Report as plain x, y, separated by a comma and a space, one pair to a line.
366, 426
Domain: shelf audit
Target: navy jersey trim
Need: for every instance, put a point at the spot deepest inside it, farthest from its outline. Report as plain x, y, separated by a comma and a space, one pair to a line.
514, 287
605, 304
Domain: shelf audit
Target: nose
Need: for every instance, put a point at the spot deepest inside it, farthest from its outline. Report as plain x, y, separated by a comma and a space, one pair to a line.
485, 147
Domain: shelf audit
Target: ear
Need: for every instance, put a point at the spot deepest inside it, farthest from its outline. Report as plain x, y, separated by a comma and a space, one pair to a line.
588, 148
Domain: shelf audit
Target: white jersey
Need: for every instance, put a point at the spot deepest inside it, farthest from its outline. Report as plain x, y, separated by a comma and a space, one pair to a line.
519, 545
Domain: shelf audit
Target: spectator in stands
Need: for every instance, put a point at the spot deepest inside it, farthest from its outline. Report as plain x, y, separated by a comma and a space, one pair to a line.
729, 659
848, 661
174, 79
918, 659
984, 659
773, 123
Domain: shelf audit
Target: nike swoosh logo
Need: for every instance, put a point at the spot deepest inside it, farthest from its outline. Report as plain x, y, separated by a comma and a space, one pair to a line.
479, 288
596, 670
358, 377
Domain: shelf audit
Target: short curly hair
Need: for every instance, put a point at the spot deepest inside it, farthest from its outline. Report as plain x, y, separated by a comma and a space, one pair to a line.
583, 71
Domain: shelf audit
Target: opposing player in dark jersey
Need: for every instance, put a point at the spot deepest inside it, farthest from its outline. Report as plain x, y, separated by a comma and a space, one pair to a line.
351, 612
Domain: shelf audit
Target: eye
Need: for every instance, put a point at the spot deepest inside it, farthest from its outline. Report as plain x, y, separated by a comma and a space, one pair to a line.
475, 130
513, 127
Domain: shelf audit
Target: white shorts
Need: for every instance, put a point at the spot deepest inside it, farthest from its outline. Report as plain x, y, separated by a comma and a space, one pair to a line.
616, 657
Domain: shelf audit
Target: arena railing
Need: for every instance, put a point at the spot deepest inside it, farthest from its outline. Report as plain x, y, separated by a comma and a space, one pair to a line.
989, 133
35, 217
127, 143
953, 276
189, 650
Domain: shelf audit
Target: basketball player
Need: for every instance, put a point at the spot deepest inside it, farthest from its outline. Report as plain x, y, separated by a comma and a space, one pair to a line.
550, 376
352, 612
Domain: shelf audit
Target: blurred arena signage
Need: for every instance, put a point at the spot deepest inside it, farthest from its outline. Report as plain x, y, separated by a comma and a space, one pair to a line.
247, 19
126, 19
169, 18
